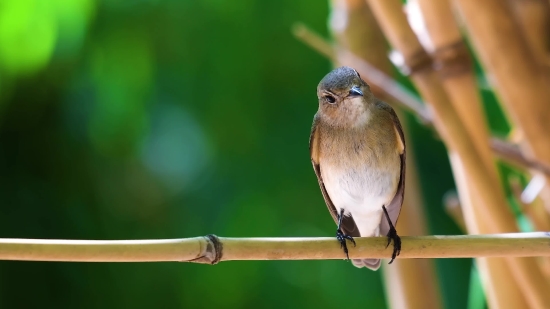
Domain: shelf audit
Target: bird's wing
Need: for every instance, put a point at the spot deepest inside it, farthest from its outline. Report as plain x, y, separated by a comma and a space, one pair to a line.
394, 208
348, 224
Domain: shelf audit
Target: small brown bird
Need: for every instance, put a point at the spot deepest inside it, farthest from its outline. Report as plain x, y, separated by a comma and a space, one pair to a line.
357, 149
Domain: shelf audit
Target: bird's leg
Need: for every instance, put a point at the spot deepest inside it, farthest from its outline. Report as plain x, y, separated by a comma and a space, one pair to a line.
392, 235
341, 237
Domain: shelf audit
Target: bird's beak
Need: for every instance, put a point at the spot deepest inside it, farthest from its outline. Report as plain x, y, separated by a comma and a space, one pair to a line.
355, 91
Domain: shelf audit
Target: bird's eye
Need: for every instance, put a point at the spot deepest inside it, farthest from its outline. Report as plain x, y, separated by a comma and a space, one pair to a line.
355, 91
330, 99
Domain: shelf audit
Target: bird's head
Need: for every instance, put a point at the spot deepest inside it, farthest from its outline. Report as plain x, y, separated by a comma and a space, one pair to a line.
344, 98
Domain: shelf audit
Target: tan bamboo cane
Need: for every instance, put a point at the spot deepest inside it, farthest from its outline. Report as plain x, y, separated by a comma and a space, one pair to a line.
481, 197
533, 17
451, 202
355, 29
535, 210
211, 249
455, 69
521, 84
402, 277
538, 216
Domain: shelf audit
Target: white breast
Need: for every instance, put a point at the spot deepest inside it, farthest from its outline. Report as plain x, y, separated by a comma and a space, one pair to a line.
361, 192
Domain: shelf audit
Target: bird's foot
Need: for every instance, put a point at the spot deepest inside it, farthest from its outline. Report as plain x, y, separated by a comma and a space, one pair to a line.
341, 237
392, 235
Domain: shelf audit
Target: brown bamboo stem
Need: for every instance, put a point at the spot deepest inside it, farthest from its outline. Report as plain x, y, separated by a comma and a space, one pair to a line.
498, 281
401, 279
212, 249
534, 211
483, 196
521, 84
455, 69
451, 202
353, 30
533, 17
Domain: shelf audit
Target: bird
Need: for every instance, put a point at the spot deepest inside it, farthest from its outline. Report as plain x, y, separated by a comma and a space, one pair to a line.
358, 153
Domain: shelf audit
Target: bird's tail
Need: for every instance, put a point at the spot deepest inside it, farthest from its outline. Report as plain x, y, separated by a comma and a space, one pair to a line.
372, 264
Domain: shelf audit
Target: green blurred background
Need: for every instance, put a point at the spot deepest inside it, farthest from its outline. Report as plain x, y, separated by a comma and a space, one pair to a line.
142, 119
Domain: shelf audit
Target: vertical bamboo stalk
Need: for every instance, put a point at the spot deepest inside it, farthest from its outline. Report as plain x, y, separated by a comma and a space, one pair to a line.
355, 29
352, 29
539, 218
482, 197
403, 276
533, 17
455, 69
521, 84
498, 282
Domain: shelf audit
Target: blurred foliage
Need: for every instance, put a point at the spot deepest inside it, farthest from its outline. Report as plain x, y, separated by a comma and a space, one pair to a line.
140, 119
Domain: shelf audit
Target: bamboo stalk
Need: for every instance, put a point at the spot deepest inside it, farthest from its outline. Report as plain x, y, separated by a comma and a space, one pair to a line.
537, 215
498, 281
212, 249
521, 84
533, 16
455, 69
451, 202
482, 196
534, 211
402, 277
355, 29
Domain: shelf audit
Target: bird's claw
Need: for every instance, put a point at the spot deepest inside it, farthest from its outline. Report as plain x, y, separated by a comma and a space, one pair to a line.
392, 235
341, 237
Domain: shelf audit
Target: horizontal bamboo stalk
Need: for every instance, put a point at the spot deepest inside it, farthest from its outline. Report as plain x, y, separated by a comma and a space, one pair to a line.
211, 249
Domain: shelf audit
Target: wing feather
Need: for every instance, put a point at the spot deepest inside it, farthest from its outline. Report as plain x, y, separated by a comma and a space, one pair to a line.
394, 208
348, 224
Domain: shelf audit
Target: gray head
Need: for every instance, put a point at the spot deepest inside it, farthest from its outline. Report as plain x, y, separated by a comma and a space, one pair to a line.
343, 96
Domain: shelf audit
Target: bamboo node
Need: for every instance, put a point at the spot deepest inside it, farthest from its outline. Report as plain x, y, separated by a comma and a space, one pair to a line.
211, 253
452, 60
214, 244
416, 63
